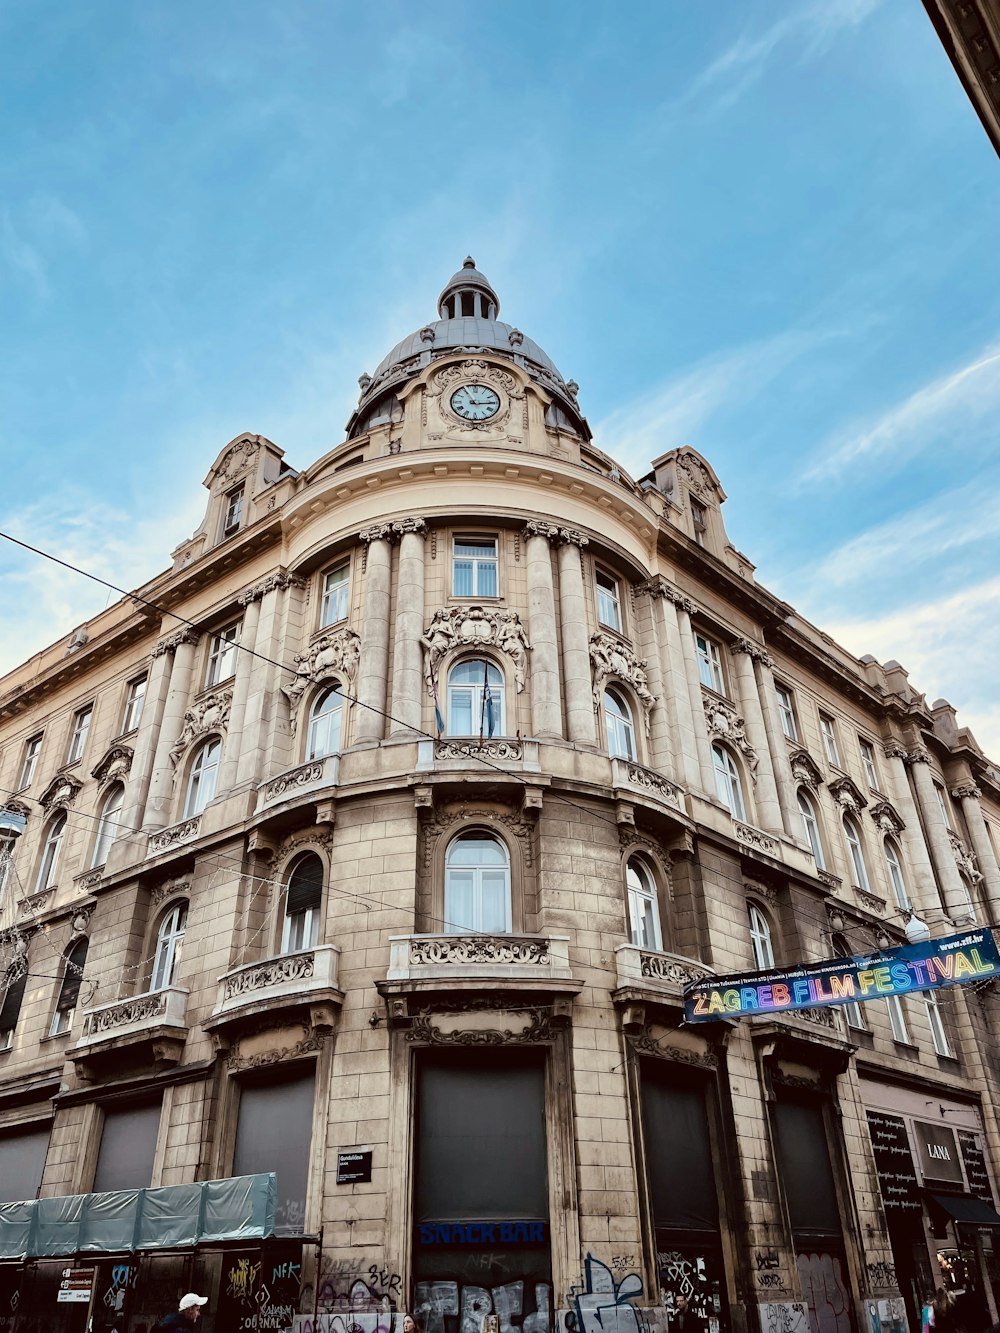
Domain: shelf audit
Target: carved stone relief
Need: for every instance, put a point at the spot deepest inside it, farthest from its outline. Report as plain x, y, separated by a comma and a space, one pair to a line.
312, 1039
805, 769
886, 819
445, 381
848, 796
208, 714
115, 765
444, 820
475, 626
333, 656
60, 792
965, 859
723, 720
610, 658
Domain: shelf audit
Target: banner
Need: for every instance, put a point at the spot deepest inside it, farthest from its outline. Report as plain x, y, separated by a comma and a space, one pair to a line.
912, 967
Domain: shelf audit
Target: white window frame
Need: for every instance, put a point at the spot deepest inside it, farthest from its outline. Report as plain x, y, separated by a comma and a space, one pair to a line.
7, 846
335, 602
897, 1020
867, 752
728, 783
232, 512
203, 777
709, 663
894, 867
828, 731
32, 749
810, 824
856, 850
761, 941
786, 712
318, 736
476, 926
299, 930
609, 609
107, 824
222, 655
942, 801
935, 1021
479, 565
643, 905
51, 848
620, 730
473, 690
62, 1018
82, 719
169, 945
135, 696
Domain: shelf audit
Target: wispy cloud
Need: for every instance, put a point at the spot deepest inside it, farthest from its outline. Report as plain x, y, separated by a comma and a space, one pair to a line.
958, 405
673, 412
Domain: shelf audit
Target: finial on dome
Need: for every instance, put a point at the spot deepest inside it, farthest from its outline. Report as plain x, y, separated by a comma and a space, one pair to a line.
469, 262
468, 294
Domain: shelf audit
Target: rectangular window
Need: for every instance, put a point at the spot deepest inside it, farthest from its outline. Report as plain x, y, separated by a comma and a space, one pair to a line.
7, 846
32, 750
786, 711
709, 663
935, 1019
222, 655
128, 1147
868, 763
232, 516
22, 1160
608, 606
854, 1014
699, 519
803, 1154
828, 731
942, 801
274, 1133
10, 1008
336, 587
897, 1019
78, 739
135, 693
474, 567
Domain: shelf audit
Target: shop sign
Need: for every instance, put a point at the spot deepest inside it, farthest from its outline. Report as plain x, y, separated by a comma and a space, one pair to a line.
971, 1149
354, 1165
910, 967
76, 1286
482, 1233
939, 1159
897, 1176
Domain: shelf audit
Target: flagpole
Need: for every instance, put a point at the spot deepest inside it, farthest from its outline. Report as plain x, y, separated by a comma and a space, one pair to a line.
482, 707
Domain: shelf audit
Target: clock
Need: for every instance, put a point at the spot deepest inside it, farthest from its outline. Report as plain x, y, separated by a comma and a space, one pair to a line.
475, 402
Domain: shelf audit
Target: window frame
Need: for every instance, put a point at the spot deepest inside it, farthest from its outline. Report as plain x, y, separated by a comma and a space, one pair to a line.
942, 801
106, 826
9, 983
935, 1021
311, 917
476, 561
48, 863
898, 1025
228, 526
856, 854
450, 926
761, 937
333, 594
647, 893
621, 727
897, 879
733, 777
169, 945
193, 802
133, 698
329, 691
82, 719
699, 520
810, 824
710, 670
476, 701
221, 648
63, 1014
828, 735
605, 597
868, 765
29, 760
786, 711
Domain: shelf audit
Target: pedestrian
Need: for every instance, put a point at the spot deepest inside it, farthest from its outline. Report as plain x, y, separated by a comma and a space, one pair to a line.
685, 1319
927, 1314
410, 1325
185, 1317
944, 1311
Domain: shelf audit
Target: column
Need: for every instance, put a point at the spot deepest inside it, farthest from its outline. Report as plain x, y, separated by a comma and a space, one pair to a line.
942, 852
787, 794
967, 794
373, 668
546, 688
258, 743
676, 695
662, 723
407, 673
246, 664
766, 794
919, 872
577, 678
702, 744
145, 741
178, 694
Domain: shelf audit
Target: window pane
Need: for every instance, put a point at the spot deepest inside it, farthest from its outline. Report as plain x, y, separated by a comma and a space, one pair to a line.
463, 578
487, 580
495, 897
128, 1146
274, 1133
458, 910
22, 1159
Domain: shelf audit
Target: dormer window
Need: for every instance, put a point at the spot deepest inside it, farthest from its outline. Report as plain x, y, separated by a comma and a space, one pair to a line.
699, 517
232, 517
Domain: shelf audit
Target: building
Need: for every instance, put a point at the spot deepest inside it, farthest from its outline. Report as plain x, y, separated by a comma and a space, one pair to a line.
372, 845
970, 34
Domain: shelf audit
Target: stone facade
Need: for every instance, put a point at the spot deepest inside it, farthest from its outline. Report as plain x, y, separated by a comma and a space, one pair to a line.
456, 755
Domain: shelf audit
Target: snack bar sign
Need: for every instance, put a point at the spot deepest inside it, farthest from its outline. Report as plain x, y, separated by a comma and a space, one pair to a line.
911, 967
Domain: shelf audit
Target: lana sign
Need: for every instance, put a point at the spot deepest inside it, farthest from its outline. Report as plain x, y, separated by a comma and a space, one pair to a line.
911, 967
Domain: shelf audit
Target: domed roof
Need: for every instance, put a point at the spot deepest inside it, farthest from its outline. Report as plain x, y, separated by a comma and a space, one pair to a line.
468, 276
468, 331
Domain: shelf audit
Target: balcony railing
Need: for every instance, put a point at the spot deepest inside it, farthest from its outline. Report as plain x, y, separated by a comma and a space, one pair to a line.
157, 1016
427, 958
303, 977
657, 971
627, 773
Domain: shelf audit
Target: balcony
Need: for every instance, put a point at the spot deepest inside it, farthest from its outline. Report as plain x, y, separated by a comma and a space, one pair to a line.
299, 781
304, 980
153, 1024
653, 974
647, 782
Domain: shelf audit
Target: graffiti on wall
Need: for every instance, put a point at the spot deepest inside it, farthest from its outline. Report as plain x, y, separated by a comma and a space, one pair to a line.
784, 1317
602, 1305
825, 1292
261, 1295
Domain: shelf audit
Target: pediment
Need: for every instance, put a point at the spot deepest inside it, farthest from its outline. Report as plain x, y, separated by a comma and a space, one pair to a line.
114, 765
886, 817
805, 769
60, 792
848, 795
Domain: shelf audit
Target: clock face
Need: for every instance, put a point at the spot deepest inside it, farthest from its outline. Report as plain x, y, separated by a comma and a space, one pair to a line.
475, 402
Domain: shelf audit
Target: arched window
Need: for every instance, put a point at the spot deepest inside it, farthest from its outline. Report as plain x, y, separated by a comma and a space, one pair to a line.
326, 719
303, 900
619, 724
50, 854
810, 825
643, 910
107, 827
895, 868
477, 884
760, 937
13, 994
69, 991
169, 940
475, 698
203, 777
728, 787
859, 870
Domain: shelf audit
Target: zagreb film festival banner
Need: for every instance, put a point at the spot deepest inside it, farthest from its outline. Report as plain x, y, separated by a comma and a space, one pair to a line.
911, 967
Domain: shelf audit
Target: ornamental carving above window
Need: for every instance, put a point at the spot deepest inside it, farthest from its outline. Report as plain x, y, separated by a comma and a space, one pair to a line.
479, 627
612, 659
333, 657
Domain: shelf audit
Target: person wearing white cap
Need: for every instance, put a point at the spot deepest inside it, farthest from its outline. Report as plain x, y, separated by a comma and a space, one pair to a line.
185, 1317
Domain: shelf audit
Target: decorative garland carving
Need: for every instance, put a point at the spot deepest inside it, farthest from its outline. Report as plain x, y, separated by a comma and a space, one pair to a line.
272, 972
848, 796
295, 777
870, 901
766, 892
828, 878
723, 720
126, 1013
168, 889
86, 883
235, 462
489, 749
205, 715
115, 765
755, 838
887, 820
805, 769
697, 475
170, 837
609, 657
333, 657
649, 780
539, 1027
673, 971
478, 949
474, 626
317, 836
313, 1039
60, 793
433, 829
644, 1043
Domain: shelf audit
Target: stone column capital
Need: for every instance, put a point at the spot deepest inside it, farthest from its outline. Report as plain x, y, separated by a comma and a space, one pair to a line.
570, 537
536, 527
171, 644
965, 790
893, 749
418, 526
279, 580
659, 587
755, 651
918, 755
391, 532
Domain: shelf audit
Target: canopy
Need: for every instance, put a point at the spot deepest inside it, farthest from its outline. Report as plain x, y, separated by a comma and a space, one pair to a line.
967, 1208
241, 1208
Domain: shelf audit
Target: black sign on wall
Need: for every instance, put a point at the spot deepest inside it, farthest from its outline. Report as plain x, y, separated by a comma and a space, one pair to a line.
939, 1158
897, 1178
354, 1165
975, 1165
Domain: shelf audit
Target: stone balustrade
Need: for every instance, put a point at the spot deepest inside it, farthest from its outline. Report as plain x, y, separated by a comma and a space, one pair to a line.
656, 970
540, 959
303, 977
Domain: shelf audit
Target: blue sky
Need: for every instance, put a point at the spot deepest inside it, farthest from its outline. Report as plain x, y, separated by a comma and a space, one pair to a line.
768, 231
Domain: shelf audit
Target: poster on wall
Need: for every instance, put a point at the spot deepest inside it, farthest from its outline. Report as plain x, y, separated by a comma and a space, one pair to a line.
949, 961
897, 1176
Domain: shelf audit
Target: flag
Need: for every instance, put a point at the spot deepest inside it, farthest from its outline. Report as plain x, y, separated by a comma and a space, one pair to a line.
438, 719
487, 716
